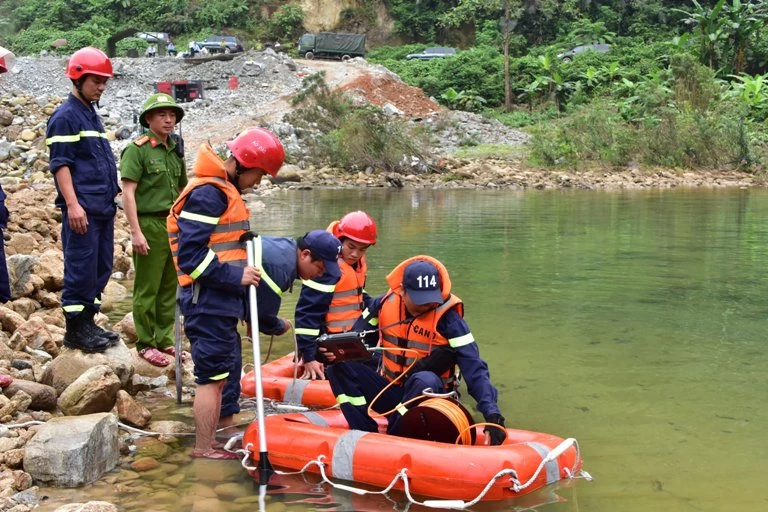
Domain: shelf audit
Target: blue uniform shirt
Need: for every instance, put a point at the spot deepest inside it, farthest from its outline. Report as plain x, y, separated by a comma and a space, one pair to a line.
279, 262
311, 308
76, 138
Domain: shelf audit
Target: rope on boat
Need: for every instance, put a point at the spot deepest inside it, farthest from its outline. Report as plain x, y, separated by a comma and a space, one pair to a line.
553, 454
438, 504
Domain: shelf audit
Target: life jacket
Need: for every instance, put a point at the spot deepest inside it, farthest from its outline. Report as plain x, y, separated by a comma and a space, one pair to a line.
224, 242
419, 333
347, 302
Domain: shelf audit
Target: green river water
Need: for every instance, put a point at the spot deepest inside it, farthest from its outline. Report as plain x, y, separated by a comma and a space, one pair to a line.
632, 321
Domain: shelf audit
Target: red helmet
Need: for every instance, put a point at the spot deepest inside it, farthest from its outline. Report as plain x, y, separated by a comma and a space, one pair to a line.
89, 60
357, 226
257, 148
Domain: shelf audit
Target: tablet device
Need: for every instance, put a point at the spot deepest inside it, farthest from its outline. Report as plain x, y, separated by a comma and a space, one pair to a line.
345, 346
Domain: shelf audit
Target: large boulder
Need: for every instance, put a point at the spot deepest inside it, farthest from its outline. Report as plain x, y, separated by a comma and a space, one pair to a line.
94, 391
73, 451
72, 363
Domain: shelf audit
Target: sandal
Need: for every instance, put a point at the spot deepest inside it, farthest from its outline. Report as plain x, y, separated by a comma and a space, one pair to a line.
214, 454
171, 351
153, 356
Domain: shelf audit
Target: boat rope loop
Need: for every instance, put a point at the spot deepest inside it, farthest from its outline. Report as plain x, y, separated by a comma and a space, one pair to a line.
553, 454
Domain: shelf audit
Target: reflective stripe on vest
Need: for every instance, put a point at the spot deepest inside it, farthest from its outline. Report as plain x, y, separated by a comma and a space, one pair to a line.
347, 302
224, 242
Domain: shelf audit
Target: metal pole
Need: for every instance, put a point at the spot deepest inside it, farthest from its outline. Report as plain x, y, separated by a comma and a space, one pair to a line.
265, 468
177, 345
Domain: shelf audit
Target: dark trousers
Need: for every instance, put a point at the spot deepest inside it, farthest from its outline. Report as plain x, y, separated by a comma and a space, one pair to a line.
213, 339
358, 384
87, 263
230, 397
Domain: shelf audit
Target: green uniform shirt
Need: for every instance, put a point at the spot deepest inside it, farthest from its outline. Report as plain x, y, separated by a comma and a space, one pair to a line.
158, 170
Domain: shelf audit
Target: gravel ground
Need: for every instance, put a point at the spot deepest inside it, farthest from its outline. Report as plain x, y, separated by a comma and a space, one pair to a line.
266, 81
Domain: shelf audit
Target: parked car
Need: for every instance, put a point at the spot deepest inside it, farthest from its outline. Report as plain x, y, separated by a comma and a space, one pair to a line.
600, 48
154, 37
222, 44
438, 52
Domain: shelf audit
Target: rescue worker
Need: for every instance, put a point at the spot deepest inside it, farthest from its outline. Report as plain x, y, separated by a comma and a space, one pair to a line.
328, 306
6, 62
85, 175
153, 173
205, 226
418, 313
282, 261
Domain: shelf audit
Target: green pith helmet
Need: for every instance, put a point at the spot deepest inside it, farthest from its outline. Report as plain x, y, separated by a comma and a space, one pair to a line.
160, 100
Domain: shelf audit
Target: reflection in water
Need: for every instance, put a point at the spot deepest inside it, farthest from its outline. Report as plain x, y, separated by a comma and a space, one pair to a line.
632, 321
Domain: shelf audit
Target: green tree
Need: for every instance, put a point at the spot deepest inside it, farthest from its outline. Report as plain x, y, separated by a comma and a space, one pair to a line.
287, 21
472, 9
725, 29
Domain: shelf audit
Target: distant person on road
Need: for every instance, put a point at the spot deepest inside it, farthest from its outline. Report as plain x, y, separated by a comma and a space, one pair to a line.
151, 51
171, 49
153, 174
85, 175
194, 48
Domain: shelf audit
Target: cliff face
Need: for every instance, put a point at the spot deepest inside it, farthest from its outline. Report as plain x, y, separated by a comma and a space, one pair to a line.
325, 15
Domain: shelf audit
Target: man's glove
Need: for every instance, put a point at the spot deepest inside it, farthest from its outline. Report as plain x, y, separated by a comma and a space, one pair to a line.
498, 435
179, 144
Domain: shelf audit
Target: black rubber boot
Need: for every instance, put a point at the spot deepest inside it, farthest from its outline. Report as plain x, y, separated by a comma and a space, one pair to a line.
110, 336
80, 337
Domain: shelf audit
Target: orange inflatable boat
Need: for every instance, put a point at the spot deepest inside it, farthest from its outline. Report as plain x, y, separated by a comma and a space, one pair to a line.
453, 473
279, 384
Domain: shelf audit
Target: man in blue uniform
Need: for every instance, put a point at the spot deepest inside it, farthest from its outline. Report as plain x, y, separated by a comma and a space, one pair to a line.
282, 261
423, 338
86, 181
206, 228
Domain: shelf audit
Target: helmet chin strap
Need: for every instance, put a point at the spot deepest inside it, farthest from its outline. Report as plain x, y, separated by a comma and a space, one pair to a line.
79, 87
239, 171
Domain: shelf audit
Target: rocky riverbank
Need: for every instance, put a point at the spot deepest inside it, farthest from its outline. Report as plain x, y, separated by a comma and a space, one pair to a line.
59, 408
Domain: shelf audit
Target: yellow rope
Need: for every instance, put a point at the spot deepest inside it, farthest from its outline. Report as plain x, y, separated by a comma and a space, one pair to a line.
453, 412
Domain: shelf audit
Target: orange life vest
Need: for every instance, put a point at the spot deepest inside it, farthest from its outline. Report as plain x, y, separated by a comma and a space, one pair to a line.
347, 302
225, 239
420, 333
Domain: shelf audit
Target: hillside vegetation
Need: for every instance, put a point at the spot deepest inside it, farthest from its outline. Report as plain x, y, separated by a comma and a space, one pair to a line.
683, 85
